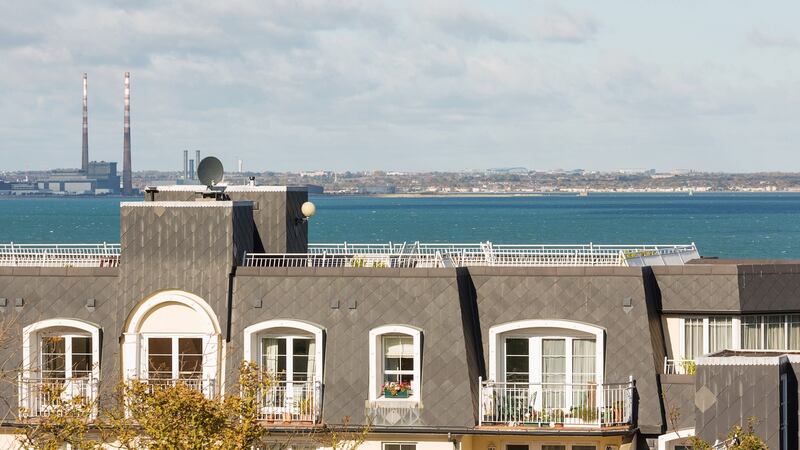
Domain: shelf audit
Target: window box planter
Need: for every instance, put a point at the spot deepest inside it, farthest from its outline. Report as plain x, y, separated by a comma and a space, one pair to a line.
398, 394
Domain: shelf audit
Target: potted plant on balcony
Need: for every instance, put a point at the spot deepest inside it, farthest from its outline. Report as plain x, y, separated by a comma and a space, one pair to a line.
396, 389
556, 418
305, 409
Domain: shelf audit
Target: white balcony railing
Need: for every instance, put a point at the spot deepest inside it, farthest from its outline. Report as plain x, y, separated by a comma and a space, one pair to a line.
207, 386
470, 255
59, 255
679, 366
42, 397
291, 401
556, 405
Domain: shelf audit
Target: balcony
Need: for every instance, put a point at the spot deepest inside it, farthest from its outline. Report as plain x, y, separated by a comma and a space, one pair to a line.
59, 255
556, 405
291, 401
679, 366
43, 397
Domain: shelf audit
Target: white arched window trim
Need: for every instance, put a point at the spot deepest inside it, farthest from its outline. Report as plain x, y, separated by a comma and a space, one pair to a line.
496, 332
30, 343
133, 359
375, 359
251, 340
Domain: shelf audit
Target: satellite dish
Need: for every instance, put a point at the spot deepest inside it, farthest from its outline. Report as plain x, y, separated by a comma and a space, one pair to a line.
209, 171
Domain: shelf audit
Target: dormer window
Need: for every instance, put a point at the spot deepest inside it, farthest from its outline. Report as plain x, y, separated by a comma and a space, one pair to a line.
395, 363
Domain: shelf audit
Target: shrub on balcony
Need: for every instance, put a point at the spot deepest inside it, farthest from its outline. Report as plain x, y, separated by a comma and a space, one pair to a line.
397, 389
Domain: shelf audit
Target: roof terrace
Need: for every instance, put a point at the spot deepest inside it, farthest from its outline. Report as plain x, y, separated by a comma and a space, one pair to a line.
390, 255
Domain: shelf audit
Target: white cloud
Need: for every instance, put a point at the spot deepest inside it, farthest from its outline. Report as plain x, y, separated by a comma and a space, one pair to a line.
567, 27
762, 39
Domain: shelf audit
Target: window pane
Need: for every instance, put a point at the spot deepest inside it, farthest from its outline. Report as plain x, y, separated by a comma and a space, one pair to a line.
751, 333
53, 357
517, 346
775, 332
398, 346
583, 361
517, 447
693, 338
160, 346
159, 358
720, 333
81, 344
554, 361
190, 346
81, 364
391, 446
554, 447
53, 344
794, 332
584, 447
517, 360
159, 366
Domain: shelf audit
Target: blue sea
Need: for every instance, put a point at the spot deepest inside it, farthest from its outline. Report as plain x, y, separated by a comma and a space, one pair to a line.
724, 225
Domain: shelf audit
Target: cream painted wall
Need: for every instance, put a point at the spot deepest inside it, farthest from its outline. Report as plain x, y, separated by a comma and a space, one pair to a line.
174, 318
673, 330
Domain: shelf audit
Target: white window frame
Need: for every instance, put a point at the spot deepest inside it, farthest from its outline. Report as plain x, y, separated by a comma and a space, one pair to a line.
67, 336
736, 332
376, 362
253, 333
134, 343
145, 346
535, 355
498, 333
31, 351
414, 443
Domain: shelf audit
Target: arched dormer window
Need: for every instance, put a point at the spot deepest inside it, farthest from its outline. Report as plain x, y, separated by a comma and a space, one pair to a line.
60, 356
173, 335
546, 351
292, 352
395, 363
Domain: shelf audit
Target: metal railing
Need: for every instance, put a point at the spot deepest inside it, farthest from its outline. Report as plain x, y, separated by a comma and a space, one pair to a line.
43, 397
206, 386
59, 255
291, 401
679, 366
421, 255
556, 405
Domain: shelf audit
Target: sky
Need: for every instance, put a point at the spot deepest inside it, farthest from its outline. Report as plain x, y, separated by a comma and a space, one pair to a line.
405, 85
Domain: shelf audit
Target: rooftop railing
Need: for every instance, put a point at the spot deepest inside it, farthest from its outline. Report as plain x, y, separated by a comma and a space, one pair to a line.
59, 255
420, 255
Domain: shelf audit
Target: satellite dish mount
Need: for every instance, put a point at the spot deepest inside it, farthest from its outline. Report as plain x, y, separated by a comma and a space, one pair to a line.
210, 172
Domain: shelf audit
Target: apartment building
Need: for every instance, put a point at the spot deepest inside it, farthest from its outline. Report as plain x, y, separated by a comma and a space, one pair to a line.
437, 347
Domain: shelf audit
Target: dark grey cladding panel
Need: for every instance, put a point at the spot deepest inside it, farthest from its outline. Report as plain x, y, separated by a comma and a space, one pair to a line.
770, 287
734, 394
698, 288
596, 300
381, 297
274, 217
52, 297
678, 405
186, 248
296, 233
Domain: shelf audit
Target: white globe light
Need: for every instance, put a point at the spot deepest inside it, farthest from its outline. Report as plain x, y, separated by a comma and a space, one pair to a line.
308, 209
